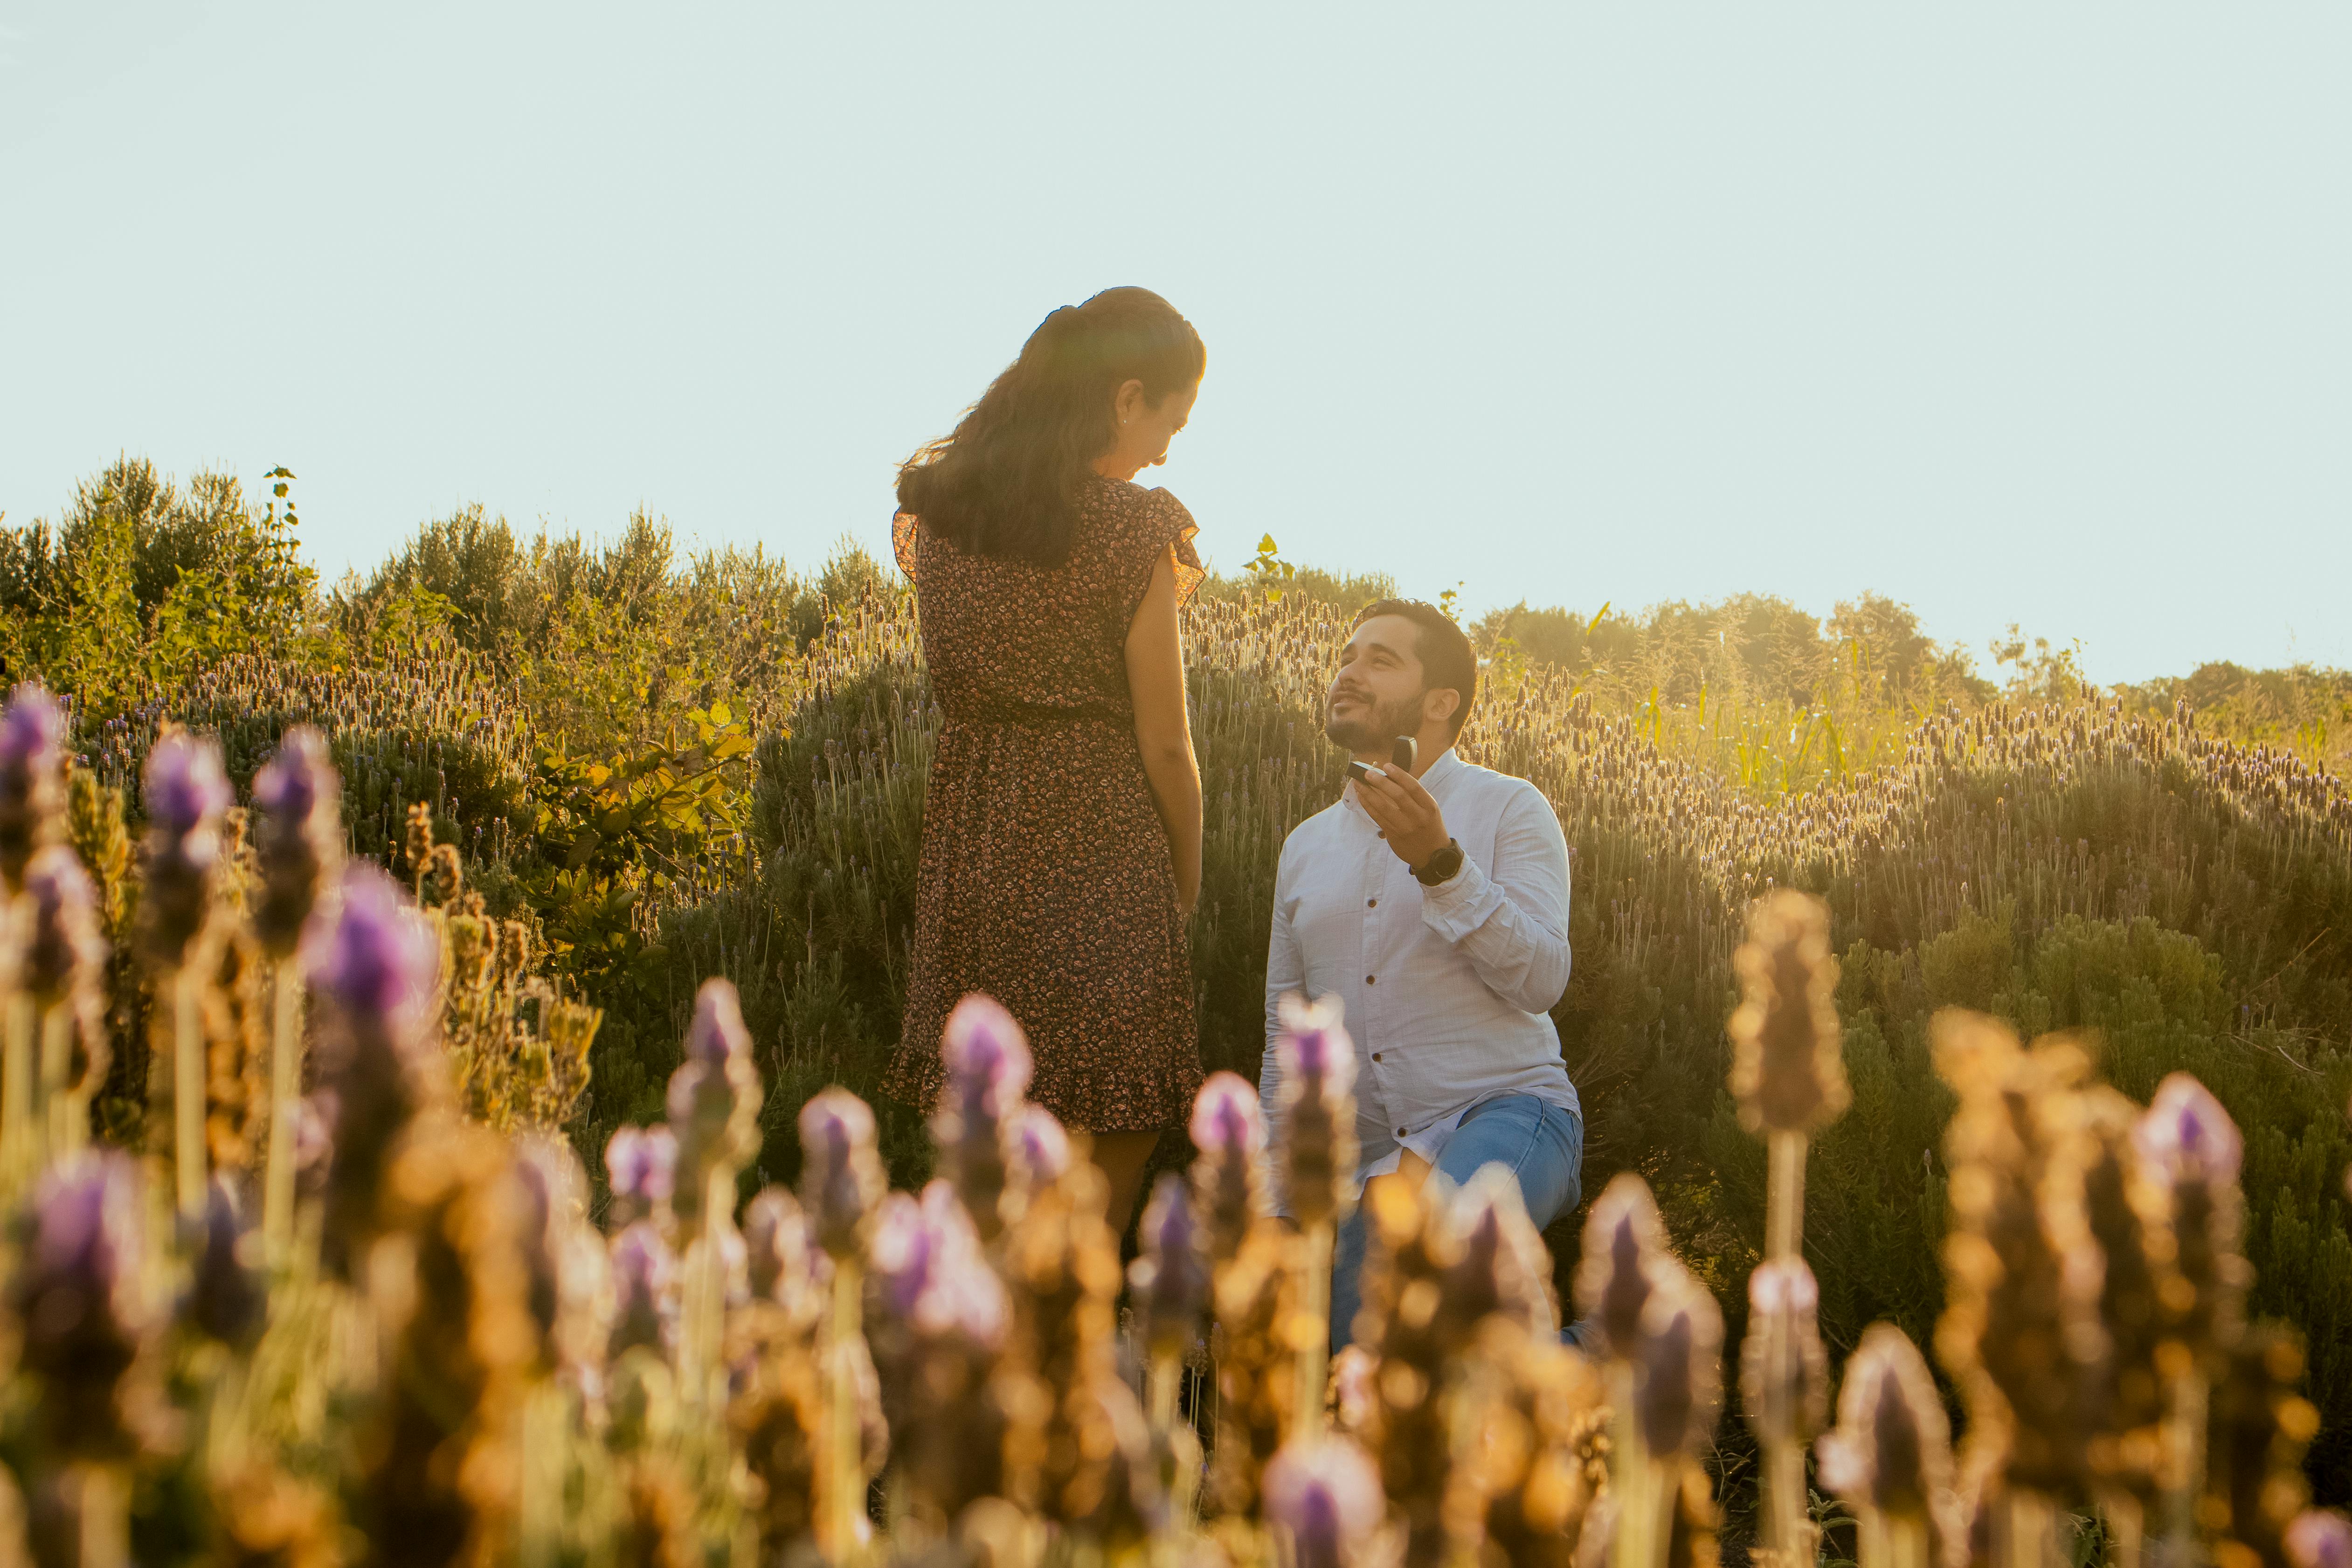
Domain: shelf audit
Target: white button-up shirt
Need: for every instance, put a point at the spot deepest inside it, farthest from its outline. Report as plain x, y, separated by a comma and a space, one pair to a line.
1447, 990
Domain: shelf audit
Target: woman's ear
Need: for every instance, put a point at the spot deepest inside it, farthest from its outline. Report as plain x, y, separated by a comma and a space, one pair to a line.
1128, 400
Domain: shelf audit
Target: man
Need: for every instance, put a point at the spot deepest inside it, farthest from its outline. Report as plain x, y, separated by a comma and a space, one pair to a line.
1434, 902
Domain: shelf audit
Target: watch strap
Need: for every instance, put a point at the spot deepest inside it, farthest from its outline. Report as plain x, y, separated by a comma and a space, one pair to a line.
1441, 866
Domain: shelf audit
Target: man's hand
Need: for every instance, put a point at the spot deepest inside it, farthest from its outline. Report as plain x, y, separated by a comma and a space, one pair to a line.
1406, 812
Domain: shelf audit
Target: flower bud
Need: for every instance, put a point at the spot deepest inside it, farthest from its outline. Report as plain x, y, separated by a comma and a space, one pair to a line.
927, 1260
376, 982
988, 1067
567, 1260
1625, 1256
714, 1099
76, 1297
841, 1176
1783, 1370
1170, 1276
298, 838
1316, 1072
227, 1299
64, 955
2319, 1538
32, 779
1892, 1449
187, 794
641, 1162
645, 1302
1229, 1173
1502, 1265
776, 1243
1787, 1071
1677, 1372
1040, 1149
1324, 1499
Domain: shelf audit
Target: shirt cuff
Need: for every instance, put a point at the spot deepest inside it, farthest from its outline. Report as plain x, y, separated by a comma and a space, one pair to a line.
1461, 904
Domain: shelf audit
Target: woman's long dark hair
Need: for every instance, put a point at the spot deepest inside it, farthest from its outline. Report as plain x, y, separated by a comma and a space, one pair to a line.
1006, 482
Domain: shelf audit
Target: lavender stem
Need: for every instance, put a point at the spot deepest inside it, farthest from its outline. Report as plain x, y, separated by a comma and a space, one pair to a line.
188, 1089
1313, 1349
285, 1099
16, 1153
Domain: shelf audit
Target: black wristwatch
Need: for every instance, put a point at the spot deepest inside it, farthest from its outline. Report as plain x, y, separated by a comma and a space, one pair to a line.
1440, 866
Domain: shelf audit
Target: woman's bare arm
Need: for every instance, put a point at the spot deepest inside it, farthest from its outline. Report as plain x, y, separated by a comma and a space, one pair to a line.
1155, 675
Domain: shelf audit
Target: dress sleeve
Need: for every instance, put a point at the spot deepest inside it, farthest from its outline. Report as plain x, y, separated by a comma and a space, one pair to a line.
1160, 521
903, 525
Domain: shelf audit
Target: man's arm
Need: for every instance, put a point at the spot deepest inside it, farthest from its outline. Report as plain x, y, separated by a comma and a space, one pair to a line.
1510, 919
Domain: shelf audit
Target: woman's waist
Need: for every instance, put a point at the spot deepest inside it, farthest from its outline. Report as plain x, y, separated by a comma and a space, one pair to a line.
1014, 713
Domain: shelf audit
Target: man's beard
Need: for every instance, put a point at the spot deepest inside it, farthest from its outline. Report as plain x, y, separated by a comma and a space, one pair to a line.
1372, 727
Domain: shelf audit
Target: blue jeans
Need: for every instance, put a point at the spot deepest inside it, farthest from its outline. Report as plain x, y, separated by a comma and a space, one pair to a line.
1541, 1144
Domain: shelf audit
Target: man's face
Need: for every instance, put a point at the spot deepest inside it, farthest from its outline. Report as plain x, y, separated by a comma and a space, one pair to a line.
1377, 693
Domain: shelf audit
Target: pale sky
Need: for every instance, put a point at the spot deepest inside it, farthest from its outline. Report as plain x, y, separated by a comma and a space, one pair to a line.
2014, 312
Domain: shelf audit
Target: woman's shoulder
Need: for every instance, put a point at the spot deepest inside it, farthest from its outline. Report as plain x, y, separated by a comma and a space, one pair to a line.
1140, 525
1125, 501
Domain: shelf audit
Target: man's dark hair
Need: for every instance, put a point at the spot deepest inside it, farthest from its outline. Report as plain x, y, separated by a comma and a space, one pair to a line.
1444, 649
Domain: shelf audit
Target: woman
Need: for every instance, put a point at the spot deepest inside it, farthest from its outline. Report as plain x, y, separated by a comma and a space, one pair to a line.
1062, 833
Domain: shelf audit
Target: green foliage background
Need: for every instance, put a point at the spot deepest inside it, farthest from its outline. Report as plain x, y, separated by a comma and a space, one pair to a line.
680, 766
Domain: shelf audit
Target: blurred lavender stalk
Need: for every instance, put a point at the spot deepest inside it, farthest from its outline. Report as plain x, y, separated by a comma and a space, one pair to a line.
298, 843
1789, 1079
59, 958
32, 769
2192, 1149
1318, 1076
714, 1114
187, 794
841, 1183
1626, 1262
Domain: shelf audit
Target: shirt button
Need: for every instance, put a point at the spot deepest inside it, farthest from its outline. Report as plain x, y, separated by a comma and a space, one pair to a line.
1372, 979
1400, 1132
1372, 904
1376, 1056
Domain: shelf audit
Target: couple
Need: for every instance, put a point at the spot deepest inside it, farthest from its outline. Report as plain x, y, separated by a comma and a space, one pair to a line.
1061, 847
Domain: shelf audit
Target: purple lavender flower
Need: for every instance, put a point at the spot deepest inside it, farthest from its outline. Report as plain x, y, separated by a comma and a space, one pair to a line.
1170, 1276
227, 1299
642, 1164
644, 1303
1316, 1065
32, 779
1502, 1267
377, 980
2319, 1538
383, 963
779, 1253
986, 1057
1325, 1496
1041, 1149
1229, 1174
63, 953
926, 1257
298, 837
187, 794
1676, 1375
841, 1177
1784, 1371
988, 1066
2186, 1136
1625, 1258
76, 1294
714, 1099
